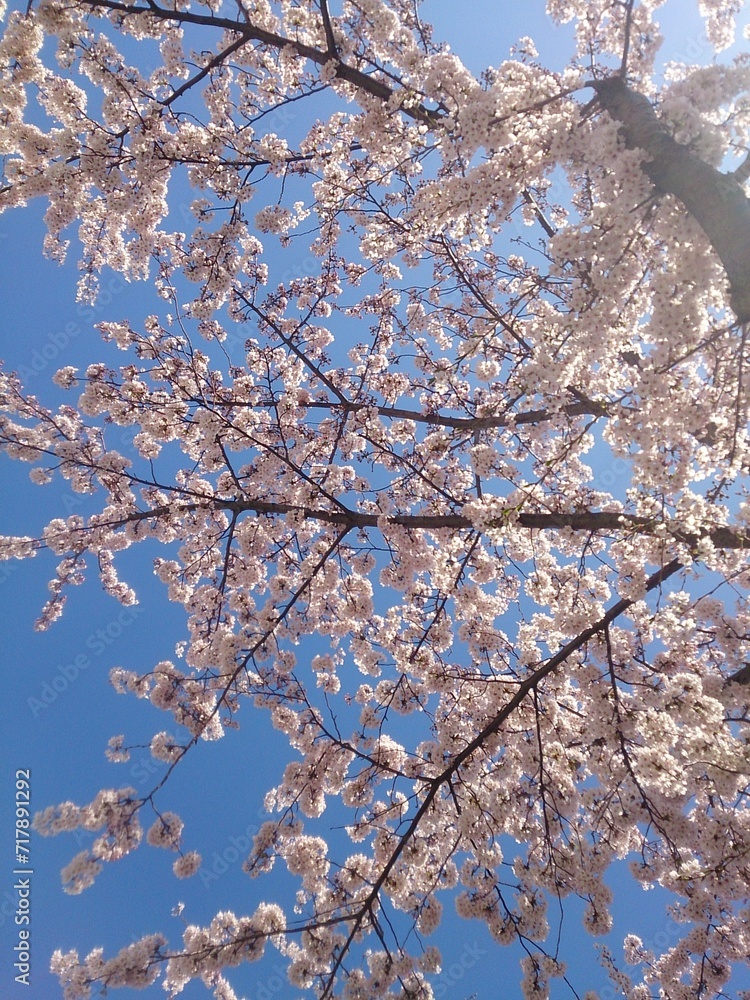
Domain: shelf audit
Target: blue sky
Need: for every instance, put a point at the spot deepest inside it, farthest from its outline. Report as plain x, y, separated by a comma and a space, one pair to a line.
60, 709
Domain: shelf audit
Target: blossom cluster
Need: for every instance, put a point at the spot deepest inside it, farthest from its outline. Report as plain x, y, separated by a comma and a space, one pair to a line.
381, 482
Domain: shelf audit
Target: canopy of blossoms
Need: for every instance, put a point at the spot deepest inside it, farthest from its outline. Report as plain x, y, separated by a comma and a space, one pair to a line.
375, 483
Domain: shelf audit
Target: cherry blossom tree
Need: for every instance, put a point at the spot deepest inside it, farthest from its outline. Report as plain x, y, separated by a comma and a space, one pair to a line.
374, 483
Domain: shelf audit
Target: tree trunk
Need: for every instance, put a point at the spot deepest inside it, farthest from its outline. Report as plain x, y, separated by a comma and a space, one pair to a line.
716, 201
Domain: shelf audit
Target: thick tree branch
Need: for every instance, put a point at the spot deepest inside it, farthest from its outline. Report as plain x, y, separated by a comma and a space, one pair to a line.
589, 521
328, 28
492, 727
251, 33
362, 81
469, 424
716, 201
741, 676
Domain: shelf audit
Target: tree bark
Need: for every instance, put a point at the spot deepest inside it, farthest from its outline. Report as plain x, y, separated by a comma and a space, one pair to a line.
590, 521
715, 200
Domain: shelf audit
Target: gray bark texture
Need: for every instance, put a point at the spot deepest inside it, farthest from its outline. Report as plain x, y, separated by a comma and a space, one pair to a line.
715, 200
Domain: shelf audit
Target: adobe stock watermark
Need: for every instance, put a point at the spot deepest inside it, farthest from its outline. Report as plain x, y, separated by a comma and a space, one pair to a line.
306, 267
276, 983
7, 569
236, 850
445, 985
657, 943
56, 343
605, 478
95, 643
145, 768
